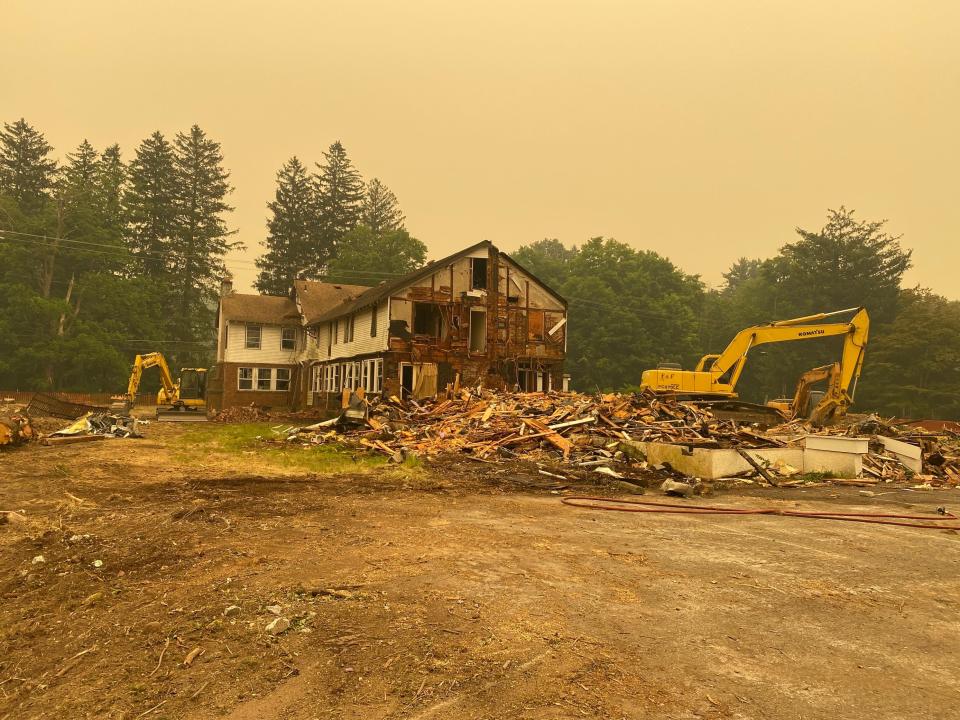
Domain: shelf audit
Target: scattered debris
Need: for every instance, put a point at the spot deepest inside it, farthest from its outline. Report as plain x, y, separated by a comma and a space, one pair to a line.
678, 489
16, 429
242, 414
592, 432
96, 425
277, 626
231, 611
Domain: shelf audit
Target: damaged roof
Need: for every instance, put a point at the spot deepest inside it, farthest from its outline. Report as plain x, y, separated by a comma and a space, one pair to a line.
266, 309
385, 289
318, 298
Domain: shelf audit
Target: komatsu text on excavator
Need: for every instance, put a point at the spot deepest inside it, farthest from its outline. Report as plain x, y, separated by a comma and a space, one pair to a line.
179, 401
715, 378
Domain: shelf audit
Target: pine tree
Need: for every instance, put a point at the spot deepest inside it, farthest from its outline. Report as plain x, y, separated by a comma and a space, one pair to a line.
291, 246
149, 205
26, 174
381, 211
339, 200
200, 235
111, 181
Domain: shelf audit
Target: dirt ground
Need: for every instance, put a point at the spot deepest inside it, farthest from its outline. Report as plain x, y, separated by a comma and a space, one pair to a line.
455, 590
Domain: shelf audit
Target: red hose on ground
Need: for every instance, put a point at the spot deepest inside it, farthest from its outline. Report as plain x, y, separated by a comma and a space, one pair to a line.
600, 503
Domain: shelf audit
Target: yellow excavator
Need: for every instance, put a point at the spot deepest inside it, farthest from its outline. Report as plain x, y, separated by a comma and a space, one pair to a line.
183, 400
714, 380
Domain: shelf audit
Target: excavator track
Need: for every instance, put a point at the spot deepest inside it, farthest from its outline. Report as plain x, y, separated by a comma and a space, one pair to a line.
191, 415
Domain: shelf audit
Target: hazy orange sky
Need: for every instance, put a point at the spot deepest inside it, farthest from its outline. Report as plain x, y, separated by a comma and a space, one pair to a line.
701, 130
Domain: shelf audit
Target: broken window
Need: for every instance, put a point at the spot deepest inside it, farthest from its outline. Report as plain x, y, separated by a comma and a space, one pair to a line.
478, 331
535, 325
348, 329
335, 331
288, 339
373, 321
427, 319
478, 273
264, 378
283, 379
244, 378
253, 337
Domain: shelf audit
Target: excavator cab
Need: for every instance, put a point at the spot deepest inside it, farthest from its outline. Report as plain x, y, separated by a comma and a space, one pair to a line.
193, 384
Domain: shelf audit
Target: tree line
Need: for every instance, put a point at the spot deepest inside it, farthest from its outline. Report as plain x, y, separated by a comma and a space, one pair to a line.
101, 259
633, 309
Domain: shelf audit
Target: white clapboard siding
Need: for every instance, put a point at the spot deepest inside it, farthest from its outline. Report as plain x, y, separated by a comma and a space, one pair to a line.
270, 351
362, 343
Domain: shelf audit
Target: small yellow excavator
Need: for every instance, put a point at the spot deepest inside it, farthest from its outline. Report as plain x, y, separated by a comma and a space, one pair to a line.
714, 380
183, 400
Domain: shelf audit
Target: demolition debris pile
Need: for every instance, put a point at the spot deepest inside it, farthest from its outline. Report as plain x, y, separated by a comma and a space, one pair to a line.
15, 429
589, 431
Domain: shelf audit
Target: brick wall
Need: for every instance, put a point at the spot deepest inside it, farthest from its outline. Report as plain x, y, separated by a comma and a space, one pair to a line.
222, 390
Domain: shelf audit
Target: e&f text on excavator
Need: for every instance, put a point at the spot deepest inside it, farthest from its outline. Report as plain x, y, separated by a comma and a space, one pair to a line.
714, 381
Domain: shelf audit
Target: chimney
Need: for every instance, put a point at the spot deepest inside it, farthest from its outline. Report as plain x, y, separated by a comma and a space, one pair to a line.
226, 285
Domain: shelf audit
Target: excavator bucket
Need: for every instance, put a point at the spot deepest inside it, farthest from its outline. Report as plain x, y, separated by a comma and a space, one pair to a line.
194, 414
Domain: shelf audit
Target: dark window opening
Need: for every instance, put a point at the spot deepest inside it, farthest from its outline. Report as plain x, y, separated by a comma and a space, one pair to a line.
427, 319
478, 273
373, 321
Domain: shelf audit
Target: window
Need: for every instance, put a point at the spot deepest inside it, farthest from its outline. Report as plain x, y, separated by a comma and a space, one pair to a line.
478, 273
316, 378
373, 321
371, 375
244, 378
264, 378
478, 330
535, 325
253, 337
348, 329
427, 319
335, 331
283, 379
288, 339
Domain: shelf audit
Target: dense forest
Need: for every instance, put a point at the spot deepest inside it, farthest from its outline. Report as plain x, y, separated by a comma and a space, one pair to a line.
101, 258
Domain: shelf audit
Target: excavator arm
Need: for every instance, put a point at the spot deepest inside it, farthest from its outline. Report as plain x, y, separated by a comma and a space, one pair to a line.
716, 375
141, 363
726, 367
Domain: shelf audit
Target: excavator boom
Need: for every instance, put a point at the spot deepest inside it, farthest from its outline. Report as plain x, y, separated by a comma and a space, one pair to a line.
178, 400
716, 376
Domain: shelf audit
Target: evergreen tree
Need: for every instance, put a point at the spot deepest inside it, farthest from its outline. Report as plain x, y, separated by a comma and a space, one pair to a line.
381, 211
339, 203
200, 234
111, 182
149, 205
26, 173
291, 240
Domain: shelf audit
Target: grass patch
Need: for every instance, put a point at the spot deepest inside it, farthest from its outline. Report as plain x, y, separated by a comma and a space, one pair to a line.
245, 443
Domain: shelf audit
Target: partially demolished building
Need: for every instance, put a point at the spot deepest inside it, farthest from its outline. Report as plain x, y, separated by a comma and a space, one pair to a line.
475, 317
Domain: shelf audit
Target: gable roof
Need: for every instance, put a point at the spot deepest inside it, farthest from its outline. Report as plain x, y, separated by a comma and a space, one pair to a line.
318, 298
267, 309
385, 289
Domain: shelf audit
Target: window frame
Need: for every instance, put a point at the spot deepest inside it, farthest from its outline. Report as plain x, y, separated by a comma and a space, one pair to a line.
246, 338
277, 380
292, 340
474, 275
259, 379
373, 320
240, 378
